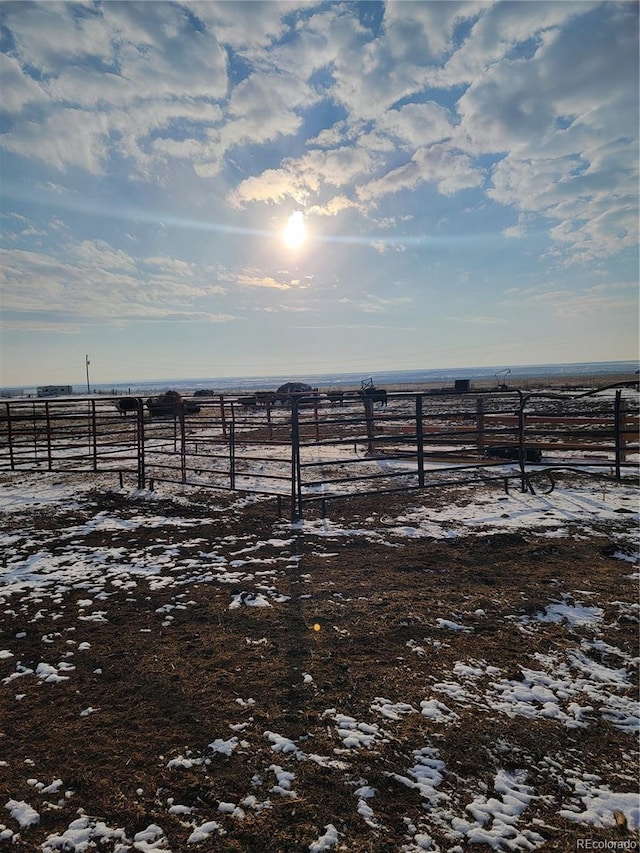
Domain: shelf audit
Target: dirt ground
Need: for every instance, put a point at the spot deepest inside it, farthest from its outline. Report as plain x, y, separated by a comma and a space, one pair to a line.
359, 613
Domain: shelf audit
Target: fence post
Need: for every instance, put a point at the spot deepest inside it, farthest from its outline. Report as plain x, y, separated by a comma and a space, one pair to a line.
232, 450
48, 428
296, 485
222, 416
183, 446
618, 420
94, 435
140, 442
420, 440
368, 413
480, 425
35, 435
521, 448
10, 437
315, 415
269, 424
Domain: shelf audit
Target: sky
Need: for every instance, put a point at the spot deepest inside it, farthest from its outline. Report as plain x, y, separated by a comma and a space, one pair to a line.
214, 189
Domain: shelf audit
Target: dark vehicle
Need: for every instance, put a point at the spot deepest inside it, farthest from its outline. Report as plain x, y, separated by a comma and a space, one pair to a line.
290, 391
170, 404
204, 392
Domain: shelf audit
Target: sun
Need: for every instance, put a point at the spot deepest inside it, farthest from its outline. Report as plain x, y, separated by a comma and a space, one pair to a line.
295, 231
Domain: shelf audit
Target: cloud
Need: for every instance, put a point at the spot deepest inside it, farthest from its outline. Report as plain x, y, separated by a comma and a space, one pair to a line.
47, 35
449, 170
372, 304
293, 309
150, 68
301, 178
479, 320
498, 29
418, 125
33, 324
334, 206
250, 27
397, 63
69, 137
410, 27
247, 280
18, 89
92, 281
98, 254
597, 301
270, 102
564, 119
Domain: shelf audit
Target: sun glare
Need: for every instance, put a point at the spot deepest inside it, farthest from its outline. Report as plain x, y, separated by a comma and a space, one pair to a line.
295, 232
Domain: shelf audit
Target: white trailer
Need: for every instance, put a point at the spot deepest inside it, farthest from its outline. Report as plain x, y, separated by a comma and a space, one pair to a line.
54, 390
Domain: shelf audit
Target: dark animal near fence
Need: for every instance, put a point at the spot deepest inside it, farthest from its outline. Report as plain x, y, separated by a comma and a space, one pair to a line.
336, 397
263, 398
127, 404
512, 451
248, 402
260, 398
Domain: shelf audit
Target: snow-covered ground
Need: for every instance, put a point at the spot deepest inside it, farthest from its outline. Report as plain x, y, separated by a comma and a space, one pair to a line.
564, 686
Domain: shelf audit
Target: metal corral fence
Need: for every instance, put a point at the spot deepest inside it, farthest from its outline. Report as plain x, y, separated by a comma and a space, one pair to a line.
447, 438
316, 448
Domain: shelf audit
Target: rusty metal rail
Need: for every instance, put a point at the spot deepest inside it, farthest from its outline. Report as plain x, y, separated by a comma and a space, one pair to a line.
316, 449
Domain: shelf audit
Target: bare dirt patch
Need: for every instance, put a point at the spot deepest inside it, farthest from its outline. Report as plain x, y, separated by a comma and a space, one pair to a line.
213, 668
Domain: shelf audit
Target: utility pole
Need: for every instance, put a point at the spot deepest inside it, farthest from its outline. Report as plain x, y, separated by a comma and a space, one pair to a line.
88, 363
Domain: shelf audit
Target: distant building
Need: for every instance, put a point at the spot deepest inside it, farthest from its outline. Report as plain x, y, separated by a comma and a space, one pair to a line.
53, 390
11, 392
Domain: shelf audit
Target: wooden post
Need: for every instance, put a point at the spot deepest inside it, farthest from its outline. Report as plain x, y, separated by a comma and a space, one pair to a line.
140, 442
48, 422
269, 424
420, 440
10, 437
368, 413
618, 420
222, 416
623, 429
480, 425
232, 451
183, 446
296, 485
94, 435
521, 448
35, 435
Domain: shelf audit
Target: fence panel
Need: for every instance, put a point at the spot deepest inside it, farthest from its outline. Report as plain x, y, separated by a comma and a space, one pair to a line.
224, 445
319, 447
445, 438
79, 435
